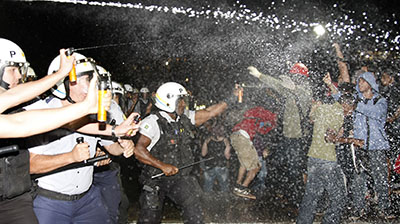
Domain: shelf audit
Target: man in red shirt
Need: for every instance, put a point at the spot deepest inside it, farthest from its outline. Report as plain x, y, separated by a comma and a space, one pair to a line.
256, 120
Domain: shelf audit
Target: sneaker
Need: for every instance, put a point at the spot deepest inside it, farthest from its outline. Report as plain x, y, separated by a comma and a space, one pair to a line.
356, 215
383, 215
243, 192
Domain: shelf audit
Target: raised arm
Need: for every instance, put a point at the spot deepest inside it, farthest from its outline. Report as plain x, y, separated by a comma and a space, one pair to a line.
27, 91
269, 81
202, 116
343, 70
33, 122
126, 128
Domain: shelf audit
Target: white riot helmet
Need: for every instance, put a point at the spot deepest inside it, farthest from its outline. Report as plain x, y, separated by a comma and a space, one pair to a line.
11, 55
167, 96
117, 88
128, 87
144, 90
102, 71
83, 66
135, 91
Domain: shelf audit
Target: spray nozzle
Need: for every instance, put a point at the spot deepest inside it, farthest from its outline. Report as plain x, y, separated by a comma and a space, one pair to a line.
70, 51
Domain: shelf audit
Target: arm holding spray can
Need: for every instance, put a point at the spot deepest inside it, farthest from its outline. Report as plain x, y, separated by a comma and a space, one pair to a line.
27, 91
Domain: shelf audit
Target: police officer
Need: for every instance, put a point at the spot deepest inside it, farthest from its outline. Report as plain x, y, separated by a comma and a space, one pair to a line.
68, 196
15, 201
144, 104
107, 178
163, 146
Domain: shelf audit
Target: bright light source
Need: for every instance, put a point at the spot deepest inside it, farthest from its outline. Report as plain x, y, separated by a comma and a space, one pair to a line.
319, 30
166, 63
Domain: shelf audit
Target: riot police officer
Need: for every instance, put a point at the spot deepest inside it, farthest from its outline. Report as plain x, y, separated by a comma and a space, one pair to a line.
163, 147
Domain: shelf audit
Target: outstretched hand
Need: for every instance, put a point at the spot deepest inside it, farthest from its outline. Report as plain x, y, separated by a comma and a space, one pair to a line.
128, 127
254, 72
327, 79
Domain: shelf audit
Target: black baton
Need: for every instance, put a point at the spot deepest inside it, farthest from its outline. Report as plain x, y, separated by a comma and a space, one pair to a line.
183, 167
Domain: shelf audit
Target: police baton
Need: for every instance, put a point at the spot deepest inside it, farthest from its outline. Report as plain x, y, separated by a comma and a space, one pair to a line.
185, 166
8, 149
84, 163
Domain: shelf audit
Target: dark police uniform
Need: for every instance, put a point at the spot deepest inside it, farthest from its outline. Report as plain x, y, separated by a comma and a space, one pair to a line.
172, 147
15, 185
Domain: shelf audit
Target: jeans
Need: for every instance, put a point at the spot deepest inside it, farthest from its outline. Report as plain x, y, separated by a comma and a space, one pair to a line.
219, 173
110, 190
323, 175
379, 172
292, 164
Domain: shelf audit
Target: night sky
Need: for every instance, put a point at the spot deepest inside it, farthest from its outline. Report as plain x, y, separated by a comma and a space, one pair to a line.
203, 40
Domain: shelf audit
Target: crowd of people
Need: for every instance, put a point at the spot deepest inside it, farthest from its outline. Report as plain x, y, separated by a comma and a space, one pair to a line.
61, 166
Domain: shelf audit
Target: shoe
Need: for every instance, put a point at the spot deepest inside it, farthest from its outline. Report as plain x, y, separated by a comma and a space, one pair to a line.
243, 192
356, 215
383, 215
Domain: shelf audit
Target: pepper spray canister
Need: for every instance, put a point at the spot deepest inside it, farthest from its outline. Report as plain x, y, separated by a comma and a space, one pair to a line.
101, 111
240, 93
72, 73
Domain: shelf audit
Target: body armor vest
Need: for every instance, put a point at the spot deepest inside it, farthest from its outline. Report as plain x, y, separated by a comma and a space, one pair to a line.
173, 147
14, 167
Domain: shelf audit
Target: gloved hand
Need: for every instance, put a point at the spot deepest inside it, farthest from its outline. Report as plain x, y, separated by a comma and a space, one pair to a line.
254, 72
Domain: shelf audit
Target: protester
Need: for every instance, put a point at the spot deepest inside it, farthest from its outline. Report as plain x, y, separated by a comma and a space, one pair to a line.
296, 91
323, 171
217, 148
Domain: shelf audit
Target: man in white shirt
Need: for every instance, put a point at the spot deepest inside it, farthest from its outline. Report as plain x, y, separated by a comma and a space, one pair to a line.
68, 196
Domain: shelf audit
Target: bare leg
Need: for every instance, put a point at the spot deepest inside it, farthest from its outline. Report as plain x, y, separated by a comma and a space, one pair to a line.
250, 176
241, 173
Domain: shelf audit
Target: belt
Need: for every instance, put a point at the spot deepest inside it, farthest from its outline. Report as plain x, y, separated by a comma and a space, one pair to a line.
60, 196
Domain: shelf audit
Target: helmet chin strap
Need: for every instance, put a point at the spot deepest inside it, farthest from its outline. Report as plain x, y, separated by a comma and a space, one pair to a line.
70, 99
67, 90
4, 85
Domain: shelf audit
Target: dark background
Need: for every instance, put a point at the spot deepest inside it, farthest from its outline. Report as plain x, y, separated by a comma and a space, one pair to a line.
206, 53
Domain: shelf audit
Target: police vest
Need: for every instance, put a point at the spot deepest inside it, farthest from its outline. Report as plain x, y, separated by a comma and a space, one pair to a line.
173, 146
14, 168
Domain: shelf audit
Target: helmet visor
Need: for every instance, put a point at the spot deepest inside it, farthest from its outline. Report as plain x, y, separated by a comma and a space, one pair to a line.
22, 66
181, 103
